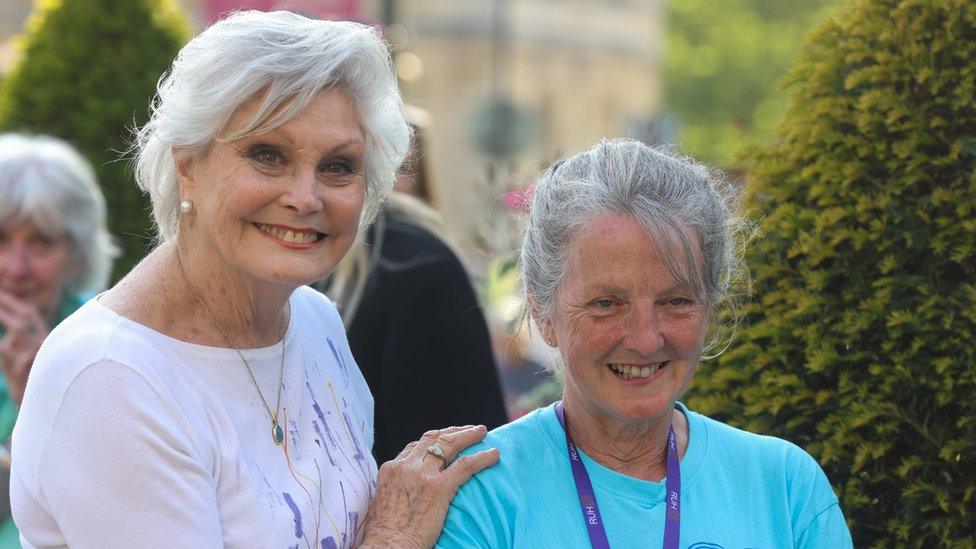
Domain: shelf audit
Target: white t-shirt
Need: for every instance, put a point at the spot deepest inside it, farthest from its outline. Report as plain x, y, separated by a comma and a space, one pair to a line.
130, 438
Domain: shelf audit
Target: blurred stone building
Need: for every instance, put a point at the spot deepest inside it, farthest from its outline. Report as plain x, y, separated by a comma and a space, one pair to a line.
509, 85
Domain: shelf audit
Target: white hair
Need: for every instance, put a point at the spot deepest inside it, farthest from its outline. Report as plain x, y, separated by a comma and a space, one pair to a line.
287, 60
667, 194
45, 181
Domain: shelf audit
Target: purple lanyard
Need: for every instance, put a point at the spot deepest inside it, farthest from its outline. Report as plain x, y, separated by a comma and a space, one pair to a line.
591, 512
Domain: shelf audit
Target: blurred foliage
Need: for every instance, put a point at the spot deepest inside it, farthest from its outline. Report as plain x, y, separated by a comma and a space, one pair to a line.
859, 345
722, 67
87, 74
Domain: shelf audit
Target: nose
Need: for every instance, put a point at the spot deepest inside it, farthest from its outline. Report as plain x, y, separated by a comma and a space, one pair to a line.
303, 194
643, 334
16, 262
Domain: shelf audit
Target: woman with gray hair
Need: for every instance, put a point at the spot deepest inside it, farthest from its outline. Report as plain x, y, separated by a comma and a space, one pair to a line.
55, 252
628, 259
210, 398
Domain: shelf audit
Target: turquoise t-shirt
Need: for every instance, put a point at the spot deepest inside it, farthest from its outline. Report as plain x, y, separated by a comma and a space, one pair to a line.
9, 536
737, 490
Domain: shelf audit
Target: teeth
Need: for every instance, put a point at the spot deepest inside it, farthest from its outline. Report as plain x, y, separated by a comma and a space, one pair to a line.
289, 236
630, 372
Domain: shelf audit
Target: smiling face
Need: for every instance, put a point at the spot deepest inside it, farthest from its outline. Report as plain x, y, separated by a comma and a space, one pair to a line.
628, 334
35, 266
281, 207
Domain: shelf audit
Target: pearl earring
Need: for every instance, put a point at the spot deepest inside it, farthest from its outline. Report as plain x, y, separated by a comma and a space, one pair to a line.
186, 206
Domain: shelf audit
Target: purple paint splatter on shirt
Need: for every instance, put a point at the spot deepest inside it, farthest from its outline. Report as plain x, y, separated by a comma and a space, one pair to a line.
339, 360
345, 510
325, 425
329, 543
296, 512
355, 441
293, 431
353, 521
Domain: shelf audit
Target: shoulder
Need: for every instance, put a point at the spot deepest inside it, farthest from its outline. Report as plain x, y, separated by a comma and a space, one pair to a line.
309, 304
781, 469
489, 510
526, 447
772, 453
83, 338
518, 440
90, 335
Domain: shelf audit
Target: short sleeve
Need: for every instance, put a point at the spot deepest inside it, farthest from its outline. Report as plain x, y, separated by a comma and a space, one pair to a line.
827, 529
120, 469
818, 520
483, 512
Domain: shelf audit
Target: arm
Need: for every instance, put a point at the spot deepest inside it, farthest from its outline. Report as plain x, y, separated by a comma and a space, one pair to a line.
120, 468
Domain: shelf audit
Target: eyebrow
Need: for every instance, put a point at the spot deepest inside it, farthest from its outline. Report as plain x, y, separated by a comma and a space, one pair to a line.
603, 287
277, 134
355, 142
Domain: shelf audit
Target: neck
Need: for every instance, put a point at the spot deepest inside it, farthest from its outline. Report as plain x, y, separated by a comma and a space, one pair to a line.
251, 314
637, 449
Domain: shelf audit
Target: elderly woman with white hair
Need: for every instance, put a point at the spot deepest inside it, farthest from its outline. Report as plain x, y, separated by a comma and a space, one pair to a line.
210, 398
628, 256
55, 251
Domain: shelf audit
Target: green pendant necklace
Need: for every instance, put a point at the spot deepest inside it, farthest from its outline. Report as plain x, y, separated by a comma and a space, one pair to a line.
277, 433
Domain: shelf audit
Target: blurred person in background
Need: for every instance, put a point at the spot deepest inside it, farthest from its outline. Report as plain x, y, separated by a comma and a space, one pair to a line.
627, 261
413, 318
55, 252
210, 398
526, 383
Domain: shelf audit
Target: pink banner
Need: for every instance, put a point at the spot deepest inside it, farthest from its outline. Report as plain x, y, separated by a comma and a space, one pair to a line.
349, 10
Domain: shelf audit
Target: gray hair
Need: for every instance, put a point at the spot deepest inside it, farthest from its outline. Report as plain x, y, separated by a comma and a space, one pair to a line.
45, 181
288, 60
667, 194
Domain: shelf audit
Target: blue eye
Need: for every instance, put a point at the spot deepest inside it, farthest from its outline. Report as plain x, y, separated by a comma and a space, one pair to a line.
604, 303
265, 154
338, 167
679, 301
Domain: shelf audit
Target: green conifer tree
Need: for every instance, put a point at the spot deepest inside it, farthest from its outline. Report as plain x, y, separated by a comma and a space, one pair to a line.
88, 71
860, 344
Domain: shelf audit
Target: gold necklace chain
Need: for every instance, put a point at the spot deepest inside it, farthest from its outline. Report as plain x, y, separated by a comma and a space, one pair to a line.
277, 433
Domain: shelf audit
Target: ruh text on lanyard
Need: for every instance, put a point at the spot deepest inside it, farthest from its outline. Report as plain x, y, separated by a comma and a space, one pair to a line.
591, 511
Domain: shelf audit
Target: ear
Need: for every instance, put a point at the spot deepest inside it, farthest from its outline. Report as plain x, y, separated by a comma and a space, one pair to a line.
542, 322
184, 171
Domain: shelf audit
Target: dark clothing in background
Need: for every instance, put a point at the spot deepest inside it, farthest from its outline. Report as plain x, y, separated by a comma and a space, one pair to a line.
421, 341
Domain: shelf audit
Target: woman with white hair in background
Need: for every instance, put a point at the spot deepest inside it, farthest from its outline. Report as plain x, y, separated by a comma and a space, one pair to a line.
210, 398
628, 258
55, 252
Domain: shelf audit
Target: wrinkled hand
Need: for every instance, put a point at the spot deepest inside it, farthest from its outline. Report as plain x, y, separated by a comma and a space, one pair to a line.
25, 331
414, 490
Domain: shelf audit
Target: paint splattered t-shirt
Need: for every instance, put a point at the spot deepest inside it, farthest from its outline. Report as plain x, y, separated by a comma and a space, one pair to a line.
130, 438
